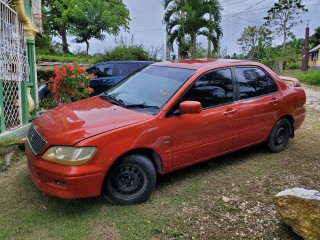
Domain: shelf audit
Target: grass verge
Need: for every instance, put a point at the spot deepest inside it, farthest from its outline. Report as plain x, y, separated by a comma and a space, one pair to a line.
311, 77
229, 197
61, 58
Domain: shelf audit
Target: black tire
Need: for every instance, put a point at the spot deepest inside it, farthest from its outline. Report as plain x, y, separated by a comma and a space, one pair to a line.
279, 136
130, 180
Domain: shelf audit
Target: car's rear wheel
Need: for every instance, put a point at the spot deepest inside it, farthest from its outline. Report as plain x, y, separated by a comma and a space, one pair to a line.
279, 136
130, 180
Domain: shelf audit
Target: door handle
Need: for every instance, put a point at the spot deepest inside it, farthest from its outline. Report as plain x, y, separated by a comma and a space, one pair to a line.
230, 111
274, 101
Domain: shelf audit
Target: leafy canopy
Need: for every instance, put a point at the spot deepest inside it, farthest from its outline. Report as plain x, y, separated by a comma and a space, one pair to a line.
94, 18
192, 18
254, 39
284, 15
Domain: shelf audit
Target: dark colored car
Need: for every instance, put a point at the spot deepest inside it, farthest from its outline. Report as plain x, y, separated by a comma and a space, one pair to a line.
107, 73
110, 73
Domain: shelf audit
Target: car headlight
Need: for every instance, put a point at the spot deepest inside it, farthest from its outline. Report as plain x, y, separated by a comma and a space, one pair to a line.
69, 155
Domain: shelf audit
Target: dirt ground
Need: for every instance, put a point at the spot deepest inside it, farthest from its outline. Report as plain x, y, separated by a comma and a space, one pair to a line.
313, 96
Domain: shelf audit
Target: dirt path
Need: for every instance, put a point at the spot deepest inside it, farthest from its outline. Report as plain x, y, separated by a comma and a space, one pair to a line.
313, 96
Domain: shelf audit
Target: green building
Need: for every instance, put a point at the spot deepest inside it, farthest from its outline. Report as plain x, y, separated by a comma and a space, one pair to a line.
20, 21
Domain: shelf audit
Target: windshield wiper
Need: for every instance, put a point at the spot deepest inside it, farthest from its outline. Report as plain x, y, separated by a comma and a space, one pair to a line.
141, 105
114, 100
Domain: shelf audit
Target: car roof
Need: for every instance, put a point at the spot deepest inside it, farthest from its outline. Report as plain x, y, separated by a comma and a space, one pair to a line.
198, 63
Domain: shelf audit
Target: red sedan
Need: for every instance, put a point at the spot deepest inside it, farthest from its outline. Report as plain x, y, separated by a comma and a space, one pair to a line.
165, 117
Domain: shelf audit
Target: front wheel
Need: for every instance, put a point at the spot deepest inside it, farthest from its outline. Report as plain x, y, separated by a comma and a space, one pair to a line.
130, 180
279, 136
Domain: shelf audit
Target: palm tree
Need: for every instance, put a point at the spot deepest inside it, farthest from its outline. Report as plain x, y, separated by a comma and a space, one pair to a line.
192, 18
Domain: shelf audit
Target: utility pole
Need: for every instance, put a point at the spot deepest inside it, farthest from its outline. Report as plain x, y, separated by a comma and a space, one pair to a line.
305, 53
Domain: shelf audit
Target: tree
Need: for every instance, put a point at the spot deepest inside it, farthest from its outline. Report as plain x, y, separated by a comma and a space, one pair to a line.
254, 39
93, 18
174, 11
315, 38
57, 24
192, 18
284, 15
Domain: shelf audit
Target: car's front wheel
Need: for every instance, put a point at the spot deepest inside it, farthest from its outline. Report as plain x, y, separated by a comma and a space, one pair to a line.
279, 136
130, 180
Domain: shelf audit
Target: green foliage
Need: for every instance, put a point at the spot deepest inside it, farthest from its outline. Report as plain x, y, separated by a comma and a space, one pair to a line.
254, 40
192, 18
201, 51
11, 141
69, 84
93, 18
56, 25
61, 57
84, 19
123, 52
315, 38
311, 77
284, 15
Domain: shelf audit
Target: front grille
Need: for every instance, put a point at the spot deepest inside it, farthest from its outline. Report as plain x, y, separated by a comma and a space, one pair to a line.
36, 142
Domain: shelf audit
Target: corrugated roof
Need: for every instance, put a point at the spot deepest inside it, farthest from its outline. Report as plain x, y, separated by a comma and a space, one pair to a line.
315, 49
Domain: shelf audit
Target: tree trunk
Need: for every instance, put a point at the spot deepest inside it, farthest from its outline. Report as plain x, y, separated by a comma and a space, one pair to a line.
209, 53
65, 46
87, 48
284, 40
193, 45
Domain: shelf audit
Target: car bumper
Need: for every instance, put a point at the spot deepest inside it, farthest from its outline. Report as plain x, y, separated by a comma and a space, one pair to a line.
64, 181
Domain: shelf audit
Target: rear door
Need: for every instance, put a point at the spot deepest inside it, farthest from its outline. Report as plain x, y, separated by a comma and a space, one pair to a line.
259, 102
197, 137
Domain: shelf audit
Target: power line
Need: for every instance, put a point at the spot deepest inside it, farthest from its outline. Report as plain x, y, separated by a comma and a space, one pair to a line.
259, 10
244, 10
234, 3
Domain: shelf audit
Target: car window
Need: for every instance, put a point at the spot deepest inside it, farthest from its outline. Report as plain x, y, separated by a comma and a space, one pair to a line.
254, 82
152, 86
125, 69
211, 89
102, 70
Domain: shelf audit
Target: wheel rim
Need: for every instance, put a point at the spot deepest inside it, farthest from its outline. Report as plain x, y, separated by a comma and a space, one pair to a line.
127, 181
281, 135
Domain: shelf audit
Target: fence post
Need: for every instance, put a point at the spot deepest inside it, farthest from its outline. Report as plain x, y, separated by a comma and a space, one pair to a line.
2, 123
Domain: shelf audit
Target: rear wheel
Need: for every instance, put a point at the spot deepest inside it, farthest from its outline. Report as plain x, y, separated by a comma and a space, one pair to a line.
279, 136
130, 180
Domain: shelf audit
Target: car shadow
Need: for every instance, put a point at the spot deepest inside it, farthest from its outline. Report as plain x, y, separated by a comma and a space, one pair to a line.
213, 165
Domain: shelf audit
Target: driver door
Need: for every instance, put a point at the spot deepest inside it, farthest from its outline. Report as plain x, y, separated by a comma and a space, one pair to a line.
213, 131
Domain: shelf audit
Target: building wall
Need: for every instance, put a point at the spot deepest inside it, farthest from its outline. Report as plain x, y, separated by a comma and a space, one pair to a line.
27, 86
314, 59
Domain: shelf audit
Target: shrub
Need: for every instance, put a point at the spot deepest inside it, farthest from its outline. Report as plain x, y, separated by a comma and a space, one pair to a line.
123, 53
69, 83
311, 77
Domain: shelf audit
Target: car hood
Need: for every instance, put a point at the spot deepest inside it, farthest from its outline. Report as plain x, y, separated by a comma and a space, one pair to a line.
73, 122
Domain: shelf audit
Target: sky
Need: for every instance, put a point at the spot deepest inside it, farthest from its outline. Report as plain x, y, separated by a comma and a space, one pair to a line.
147, 28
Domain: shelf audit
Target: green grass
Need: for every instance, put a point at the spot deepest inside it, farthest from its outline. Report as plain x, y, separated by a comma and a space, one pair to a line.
61, 58
186, 204
311, 77
11, 141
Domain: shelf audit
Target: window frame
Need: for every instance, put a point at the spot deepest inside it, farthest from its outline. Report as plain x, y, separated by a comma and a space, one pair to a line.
172, 111
238, 87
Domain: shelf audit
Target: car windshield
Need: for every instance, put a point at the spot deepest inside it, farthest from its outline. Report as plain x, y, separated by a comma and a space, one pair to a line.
149, 89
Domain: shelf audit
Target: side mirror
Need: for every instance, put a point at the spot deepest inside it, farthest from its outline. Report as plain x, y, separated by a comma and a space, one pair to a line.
190, 107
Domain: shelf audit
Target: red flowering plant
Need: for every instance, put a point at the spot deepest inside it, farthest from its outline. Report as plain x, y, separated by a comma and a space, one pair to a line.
68, 84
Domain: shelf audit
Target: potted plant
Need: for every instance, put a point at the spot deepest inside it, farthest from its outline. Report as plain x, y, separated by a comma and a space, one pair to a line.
69, 83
